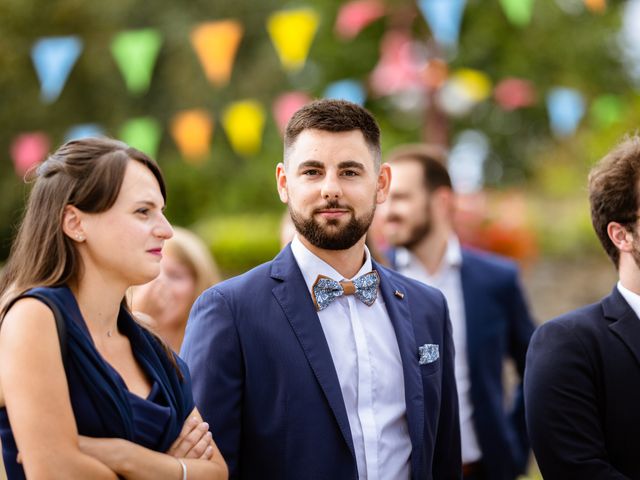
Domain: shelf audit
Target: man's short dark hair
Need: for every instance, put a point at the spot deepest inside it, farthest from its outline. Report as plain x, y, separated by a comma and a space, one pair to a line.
334, 116
433, 160
613, 191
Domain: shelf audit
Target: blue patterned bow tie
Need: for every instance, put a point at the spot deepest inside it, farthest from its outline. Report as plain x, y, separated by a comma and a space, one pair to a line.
326, 290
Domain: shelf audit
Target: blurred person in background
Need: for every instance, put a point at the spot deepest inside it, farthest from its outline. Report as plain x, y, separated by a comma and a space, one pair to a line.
187, 269
306, 377
85, 392
582, 381
489, 315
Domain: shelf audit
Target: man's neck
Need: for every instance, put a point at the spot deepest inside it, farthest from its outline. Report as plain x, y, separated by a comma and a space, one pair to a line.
432, 249
346, 262
629, 273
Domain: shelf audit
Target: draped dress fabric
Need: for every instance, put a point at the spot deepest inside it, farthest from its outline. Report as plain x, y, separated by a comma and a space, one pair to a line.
102, 404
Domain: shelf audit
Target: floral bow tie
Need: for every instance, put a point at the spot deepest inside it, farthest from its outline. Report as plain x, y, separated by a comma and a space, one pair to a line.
326, 290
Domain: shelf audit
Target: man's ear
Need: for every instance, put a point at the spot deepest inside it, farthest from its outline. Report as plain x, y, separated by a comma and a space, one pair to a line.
384, 182
72, 223
620, 236
281, 181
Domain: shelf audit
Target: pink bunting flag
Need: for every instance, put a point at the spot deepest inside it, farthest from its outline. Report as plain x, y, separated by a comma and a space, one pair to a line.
354, 16
28, 150
398, 68
514, 93
286, 105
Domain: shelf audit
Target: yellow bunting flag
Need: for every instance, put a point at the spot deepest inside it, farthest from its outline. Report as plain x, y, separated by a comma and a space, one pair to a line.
216, 44
598, 6
475, 84
243, 122
292, 32
191, 130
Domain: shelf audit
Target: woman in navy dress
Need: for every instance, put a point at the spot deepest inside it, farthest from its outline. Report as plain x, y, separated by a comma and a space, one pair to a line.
85, 391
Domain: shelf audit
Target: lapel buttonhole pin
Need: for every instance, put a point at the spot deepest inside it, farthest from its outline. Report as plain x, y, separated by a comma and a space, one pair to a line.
399, 294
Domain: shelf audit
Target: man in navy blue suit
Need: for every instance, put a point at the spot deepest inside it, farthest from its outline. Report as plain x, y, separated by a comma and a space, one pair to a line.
322, 364
582, 382
489, 316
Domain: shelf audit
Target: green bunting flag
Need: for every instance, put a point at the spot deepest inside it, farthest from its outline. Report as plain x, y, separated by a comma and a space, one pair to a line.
135, 52
518, 12
142, 133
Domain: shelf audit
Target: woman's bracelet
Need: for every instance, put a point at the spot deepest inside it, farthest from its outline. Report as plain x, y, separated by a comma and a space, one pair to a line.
184, 469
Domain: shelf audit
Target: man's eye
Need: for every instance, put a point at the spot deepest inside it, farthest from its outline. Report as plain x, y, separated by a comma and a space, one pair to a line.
311, 172
350, 173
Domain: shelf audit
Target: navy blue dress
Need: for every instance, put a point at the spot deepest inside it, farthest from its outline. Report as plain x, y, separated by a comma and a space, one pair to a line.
102, 404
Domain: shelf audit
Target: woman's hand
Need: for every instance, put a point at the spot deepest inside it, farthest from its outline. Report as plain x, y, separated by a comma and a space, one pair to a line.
194, 441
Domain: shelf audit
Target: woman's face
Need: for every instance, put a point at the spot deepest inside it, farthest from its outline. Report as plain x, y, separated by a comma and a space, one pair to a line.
125, 243
181, 287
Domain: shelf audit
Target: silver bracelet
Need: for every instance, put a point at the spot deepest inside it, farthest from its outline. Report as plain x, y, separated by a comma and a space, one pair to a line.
184, 469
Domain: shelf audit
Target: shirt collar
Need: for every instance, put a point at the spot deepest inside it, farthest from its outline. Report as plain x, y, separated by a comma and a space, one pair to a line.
633, 299
311, 265
452, 255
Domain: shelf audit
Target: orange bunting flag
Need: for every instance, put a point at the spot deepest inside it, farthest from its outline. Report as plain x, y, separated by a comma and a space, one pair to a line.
243, 122
216, 44
191, 130
598, 6
292, 32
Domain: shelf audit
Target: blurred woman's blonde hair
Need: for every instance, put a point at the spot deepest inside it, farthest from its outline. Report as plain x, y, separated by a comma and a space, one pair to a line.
191, 251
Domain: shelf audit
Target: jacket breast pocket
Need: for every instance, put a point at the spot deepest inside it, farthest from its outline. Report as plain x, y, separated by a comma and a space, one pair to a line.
428, 369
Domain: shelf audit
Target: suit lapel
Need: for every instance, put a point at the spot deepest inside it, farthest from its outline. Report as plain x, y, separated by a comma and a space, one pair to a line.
625, 325
296, 302
398, 310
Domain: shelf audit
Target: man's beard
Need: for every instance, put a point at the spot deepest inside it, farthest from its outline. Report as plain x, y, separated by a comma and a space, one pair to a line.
342, 238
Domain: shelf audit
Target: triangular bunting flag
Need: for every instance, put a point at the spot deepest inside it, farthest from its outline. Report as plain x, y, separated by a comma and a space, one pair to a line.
135, 53
243, 122
191, 130
566, 108
83, 130
350, 90
356, 15
598, 6
216, 44
444, 18
53, 58
27, 150
286, 105
292, 32
142, 133
518, 12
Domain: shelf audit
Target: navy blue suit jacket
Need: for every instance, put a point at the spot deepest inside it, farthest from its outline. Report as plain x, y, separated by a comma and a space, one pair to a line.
582, 392
498, 326
263, 377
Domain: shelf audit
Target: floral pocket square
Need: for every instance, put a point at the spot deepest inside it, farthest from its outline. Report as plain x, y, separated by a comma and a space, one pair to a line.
429, 353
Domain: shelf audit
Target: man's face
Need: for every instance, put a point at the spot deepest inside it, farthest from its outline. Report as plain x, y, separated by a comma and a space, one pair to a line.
331, 187
408, 215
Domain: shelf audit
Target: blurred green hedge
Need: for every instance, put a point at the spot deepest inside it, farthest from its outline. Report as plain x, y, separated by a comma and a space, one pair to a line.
240, 242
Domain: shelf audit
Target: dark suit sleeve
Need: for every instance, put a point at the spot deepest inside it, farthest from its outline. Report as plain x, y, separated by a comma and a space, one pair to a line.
520, 329
562, 407
211, 349
447, 460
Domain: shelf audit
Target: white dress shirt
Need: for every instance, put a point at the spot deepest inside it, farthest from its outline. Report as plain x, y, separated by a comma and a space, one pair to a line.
447, 279
633, 299
366, 357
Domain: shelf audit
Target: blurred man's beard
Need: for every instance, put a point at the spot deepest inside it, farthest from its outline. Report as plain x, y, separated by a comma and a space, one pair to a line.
341, 238
416, 235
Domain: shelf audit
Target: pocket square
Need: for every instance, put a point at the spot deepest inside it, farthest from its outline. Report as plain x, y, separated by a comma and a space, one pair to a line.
429, 353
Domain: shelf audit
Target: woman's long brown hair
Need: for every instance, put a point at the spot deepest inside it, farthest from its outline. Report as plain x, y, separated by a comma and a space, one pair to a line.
87, 174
